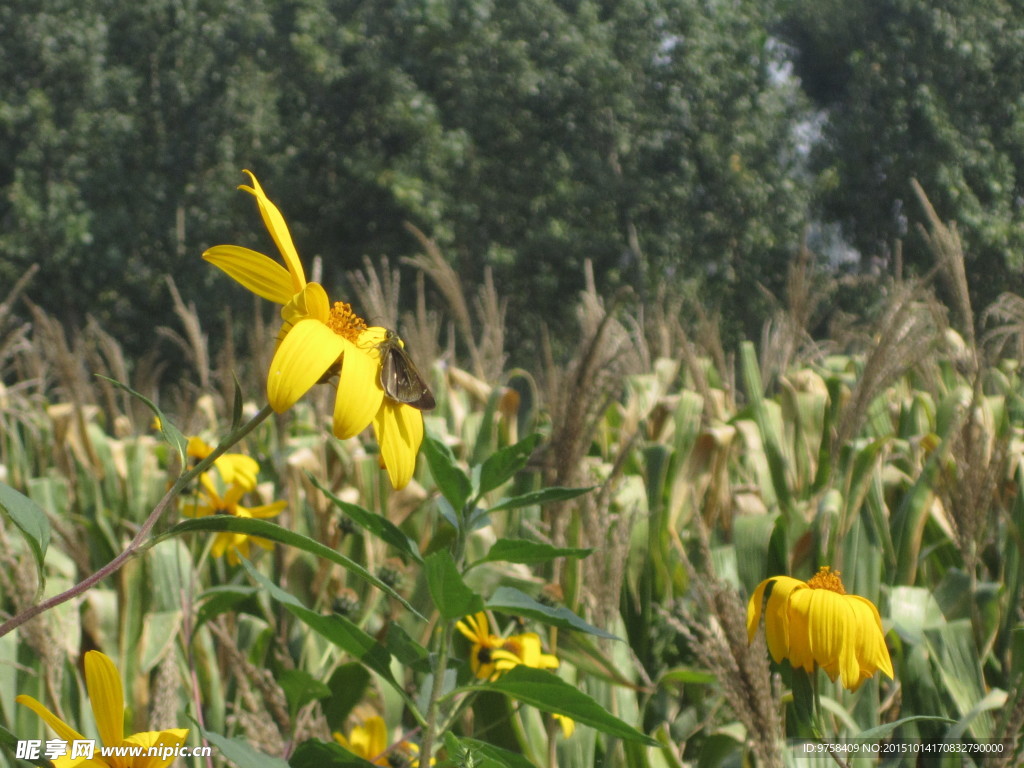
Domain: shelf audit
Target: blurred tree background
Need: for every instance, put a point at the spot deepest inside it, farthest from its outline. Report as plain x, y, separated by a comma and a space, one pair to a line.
680, 145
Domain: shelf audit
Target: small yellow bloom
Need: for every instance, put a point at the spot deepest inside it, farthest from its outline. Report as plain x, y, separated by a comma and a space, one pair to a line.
567, 723
319, 340
213, 503
370, 742
817, 623
103, 684
492, 655
232, 467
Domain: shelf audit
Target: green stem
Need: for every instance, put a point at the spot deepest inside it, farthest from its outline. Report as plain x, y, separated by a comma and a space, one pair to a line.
443, 650
183, 481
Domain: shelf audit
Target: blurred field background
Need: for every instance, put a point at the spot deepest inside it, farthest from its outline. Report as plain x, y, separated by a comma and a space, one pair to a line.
705, 250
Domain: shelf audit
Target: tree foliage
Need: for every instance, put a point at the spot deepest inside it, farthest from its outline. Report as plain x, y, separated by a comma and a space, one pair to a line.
654, 139
919, 90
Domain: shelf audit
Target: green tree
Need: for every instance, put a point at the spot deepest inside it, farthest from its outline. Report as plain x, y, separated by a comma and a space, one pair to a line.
925, 90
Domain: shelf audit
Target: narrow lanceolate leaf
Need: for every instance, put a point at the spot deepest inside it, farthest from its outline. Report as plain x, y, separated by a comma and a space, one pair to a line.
379, 526
549, 693
337, 629
451, 595
453, 483
511, 601
528, 552
501, 465
170, 433
30, 519
482, 754
543, 496
267, 530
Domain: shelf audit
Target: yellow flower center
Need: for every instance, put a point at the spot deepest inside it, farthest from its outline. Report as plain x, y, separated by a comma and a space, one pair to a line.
828, 579
344, 322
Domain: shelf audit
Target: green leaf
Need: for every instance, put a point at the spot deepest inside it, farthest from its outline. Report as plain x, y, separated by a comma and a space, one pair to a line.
503, 464
238, 401
242, 753
300, 688
267, 530
348, 685
543, 496
528, 552
453, 483
511, 601
550, 693
484, 755
171, 433
379, 526
320, 754
451, 595
337, 629
408, 652
218, 600
10, 741
30, 519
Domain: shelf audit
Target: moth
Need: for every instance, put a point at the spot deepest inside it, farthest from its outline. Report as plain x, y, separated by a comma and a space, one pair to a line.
399, 377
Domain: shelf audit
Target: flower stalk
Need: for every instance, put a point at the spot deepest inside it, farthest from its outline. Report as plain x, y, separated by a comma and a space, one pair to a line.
141, 536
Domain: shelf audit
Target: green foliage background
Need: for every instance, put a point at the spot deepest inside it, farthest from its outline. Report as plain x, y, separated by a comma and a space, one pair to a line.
655, 139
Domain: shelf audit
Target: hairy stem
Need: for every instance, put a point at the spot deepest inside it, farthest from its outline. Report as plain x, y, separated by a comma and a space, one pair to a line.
183, 481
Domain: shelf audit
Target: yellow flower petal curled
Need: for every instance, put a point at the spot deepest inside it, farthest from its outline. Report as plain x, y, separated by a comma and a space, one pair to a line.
278, 230
305, 354
817, 623
399, 430
260, 274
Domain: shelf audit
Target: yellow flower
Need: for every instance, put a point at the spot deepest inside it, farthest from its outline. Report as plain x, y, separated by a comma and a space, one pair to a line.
213, 503
567, 723
318, 340
103, 683
370, 742
232, 467
492, 655
816, 622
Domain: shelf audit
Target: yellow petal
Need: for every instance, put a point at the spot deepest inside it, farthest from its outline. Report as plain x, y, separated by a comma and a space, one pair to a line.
238, 468
399, 430
754, 609
778, 616
260, 274
311, 301
305, 354
278, 229
266, 510
198, 448
103, 682
62, 729
359, 395
173, 737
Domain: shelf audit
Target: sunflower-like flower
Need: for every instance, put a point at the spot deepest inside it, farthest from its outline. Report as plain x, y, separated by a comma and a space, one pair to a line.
492, 655
370, 742
103, 684
817, 623
319, 339
233, 468
211, 502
